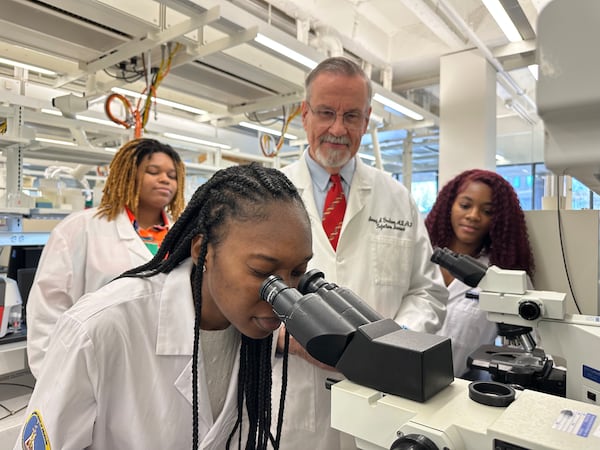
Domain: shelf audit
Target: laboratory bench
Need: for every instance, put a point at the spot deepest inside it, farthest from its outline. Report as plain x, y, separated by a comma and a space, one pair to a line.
15, 391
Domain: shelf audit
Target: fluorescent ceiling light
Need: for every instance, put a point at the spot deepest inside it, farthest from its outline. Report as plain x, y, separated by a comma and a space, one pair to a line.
160, 101
29, 67
54, 112
285, 51
503, 20
54, 141
266, 130
364, 156
194, 140
397, 107
95, 120
95, 100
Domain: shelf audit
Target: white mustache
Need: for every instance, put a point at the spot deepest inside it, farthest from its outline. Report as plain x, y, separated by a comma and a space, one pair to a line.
335, 139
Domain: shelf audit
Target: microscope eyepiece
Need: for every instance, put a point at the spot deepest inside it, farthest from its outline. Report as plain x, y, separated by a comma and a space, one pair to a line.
342, 299
311, 281
271, 287
464, 267
315, 321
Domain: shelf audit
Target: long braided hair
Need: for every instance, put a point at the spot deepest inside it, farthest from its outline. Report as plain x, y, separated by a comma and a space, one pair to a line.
236, 192
122, 189
507, 243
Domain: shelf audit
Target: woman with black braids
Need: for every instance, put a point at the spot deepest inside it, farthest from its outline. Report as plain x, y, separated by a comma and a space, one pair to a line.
176, 353
143, 194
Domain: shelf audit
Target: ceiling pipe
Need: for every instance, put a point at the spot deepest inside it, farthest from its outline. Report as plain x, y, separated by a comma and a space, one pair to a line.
376, 149
327, 42
407, 161
435, 23
504, 77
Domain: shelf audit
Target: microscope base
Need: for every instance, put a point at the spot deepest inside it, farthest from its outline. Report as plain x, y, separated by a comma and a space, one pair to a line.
451, 419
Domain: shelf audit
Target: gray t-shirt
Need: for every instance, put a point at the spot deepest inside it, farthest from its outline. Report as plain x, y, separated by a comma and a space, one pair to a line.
219, 350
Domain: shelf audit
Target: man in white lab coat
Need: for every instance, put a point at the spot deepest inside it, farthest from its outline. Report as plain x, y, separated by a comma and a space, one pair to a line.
382, 252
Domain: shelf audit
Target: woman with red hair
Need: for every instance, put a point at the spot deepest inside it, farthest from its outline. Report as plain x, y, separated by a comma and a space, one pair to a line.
477, 213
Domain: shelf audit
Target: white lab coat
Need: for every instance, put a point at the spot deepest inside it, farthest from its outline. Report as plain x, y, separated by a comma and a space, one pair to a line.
465, 324
118, 372
82, 254
383, 255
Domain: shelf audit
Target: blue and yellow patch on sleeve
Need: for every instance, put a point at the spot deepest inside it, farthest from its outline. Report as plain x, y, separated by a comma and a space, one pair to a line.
35, 436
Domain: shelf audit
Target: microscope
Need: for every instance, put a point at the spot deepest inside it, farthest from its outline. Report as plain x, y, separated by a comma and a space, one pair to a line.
520, 313
339, 329
503, 294
399, 392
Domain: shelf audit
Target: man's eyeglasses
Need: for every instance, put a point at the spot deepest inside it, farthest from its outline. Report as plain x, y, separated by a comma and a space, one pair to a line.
353, 120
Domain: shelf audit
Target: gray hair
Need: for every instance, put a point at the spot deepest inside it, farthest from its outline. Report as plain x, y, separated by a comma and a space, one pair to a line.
341, 66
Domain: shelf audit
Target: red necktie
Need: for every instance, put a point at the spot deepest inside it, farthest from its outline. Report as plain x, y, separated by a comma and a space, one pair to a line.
333, 212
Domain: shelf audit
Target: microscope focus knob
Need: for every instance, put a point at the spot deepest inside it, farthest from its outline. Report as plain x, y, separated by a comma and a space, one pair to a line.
529, 310
414, 442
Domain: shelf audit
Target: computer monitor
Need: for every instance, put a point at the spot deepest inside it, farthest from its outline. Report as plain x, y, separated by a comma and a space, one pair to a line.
23, 257
24, 282
22, 264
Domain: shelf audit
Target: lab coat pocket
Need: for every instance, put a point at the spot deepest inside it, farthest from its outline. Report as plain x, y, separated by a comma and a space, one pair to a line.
391, 260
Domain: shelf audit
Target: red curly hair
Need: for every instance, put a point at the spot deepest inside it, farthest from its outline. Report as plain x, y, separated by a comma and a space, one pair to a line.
507, 243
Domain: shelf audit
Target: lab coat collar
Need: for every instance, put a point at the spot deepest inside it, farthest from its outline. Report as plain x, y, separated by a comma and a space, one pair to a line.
130, 238
225, 421
321, 177
176, 337
176, 313
362, 185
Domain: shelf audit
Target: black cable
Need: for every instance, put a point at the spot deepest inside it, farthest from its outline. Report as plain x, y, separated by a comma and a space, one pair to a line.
253, 117
562, 247
132, 75
16, 384
10, 411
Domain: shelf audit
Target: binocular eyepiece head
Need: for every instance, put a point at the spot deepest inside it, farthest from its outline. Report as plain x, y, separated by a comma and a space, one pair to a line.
310, 282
